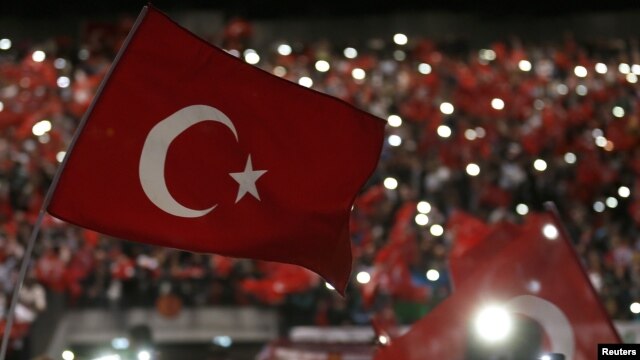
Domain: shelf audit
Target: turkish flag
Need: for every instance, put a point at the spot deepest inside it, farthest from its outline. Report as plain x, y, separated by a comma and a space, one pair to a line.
538, 280
186, 146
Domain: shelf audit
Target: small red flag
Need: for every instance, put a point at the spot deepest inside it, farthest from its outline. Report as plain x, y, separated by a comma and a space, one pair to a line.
188, 147
537, 279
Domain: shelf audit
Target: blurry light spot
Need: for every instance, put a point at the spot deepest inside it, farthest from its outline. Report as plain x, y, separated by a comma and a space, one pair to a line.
383, 340
473, 169
470, 134
598, 206
399, 55
60, 156
611, 202
280, 71
545, 357
624, 191
522, 209
394, 121
444, 131
234, 52
223, 341
480, 132
446, 108
144, 355
433, 275
424, 207
284, 49
493, 324
581, 90
400, 39
487, 54
120, 343
562, 89
394, 140
524, 65
550, 231
358, 74
44, 139
596, 133
436, 230
63, 82
329, 286
618, 111
390, 183
534, 286
609, 146
38, 56
68, 355
632, 78
350, 53
251, 56
305, 81
635, 308
635, 68
322, 66
41, 127
363, 277
540, 165
424, 68
497, 104
601, 68
601, 141
580, 71
60, 63
570, 158
5, 44
538, 104
1, 106
624, 68
422, 219
83, 54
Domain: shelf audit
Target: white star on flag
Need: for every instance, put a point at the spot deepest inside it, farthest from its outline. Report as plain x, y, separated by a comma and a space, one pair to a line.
247, 180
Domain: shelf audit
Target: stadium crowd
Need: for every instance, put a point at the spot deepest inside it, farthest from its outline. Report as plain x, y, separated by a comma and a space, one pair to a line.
494, 131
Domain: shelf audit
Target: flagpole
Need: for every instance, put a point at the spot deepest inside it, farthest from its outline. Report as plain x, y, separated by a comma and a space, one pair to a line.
24, 266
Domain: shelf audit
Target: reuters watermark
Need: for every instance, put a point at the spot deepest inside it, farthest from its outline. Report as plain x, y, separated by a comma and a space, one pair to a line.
618, 351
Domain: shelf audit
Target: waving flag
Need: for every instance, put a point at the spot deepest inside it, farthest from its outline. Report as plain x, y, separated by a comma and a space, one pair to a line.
188, 147
528, 299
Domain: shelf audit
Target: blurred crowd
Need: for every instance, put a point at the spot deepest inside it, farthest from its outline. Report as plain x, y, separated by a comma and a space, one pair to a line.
494, 131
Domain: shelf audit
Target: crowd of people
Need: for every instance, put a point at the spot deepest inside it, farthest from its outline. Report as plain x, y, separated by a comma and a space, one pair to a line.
494, 131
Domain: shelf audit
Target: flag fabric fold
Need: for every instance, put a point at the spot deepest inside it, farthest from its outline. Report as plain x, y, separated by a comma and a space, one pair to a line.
188, 147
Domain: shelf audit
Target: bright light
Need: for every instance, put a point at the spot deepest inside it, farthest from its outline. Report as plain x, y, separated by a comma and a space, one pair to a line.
446, 108
363, 277
618, 111
144, 355
480, 132
601, 68
470, 134
598, 206
624, 68
524, 65
424, 207
322, 66
305, 81
280, 71
632, 78
473, 169
60, 63
570, 158
120, 343
41, 127
251, 56
109, 357
350, 53
400, 39
635, 68
394, 121
358, 74
562, 89
635, 308
422, 219
487, 54
611, 202
383, 340
433, 275
5, 44
444, 131
284, 49
550, 231
395, 140
38, 56
540, 165
522, 209
493, 324
497, 104
1, 106
624, 191
436, 230
329, 286
580, 71
581, 90
601, 141
545, 357
68, 355
63, 82
223, 341
390, 183
424, 69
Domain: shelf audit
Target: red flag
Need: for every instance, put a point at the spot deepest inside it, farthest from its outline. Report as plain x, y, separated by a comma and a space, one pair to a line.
538, 280
188, 147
